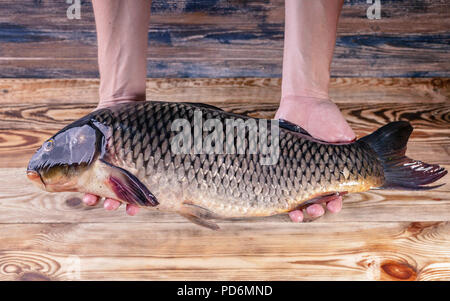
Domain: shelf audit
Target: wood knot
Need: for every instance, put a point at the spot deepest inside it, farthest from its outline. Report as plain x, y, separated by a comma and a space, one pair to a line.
397, 271
437, 83
73, 202
33, 276
10, 268
416, 228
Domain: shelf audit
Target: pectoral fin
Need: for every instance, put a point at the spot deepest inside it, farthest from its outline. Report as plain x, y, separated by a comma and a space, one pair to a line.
128, 188
199, 215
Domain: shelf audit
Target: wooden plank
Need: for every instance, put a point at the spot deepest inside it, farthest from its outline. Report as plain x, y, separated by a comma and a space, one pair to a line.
358, 56
430, 16
31, 205
224, 90
227, 39
240, 251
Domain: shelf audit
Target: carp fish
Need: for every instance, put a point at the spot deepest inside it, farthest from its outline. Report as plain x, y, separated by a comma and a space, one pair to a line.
133, 153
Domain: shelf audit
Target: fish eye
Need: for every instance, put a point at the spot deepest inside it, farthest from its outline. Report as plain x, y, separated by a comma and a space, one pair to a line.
48, 146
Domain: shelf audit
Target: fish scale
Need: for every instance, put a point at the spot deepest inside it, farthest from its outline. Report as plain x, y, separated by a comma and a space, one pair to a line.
229, 184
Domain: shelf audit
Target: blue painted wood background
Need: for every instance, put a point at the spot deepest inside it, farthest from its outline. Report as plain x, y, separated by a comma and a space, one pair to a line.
218, 38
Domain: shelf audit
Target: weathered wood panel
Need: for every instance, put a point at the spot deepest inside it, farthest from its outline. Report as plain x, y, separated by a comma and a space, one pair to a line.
227, 39
317, 251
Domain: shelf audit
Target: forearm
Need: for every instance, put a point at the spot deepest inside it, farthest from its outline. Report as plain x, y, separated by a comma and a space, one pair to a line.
310, 36
122, 35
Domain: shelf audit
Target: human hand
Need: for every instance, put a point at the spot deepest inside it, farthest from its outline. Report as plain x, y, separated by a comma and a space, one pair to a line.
323, 120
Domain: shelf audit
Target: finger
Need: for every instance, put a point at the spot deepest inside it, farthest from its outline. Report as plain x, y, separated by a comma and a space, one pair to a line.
132, 209
315, 210
296, 216
335, 205
90, 199
111, 205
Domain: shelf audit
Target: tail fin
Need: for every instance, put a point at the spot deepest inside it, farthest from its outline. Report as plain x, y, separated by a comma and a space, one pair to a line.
401, 172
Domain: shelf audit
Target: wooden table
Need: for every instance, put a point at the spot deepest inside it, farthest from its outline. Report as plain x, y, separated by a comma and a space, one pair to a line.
387, 235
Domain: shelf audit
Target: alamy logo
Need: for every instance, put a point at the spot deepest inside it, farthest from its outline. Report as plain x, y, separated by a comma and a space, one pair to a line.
374, 11
74, 10
236, 136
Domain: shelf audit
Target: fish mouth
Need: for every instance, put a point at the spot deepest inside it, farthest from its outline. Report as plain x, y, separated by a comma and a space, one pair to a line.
35, 177
51, 185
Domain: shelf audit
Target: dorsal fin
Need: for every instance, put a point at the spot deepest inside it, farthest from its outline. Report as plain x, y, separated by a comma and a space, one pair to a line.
203, 105
293, 127
287, 125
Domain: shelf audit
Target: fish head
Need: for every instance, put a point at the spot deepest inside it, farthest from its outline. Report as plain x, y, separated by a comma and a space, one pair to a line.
58, 164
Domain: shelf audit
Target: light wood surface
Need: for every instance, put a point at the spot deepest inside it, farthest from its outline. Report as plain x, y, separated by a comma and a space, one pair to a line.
225, 90
256, 251
379, 235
